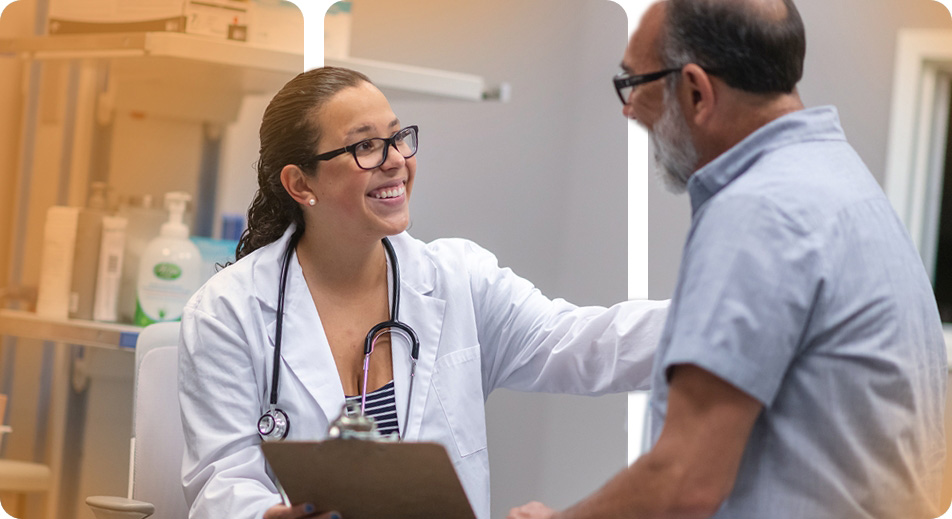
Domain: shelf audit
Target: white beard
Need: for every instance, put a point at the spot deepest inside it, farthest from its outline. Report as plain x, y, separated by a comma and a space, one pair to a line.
674, 153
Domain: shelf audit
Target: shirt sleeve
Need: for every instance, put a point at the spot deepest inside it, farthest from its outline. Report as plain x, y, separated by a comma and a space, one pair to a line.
532, 343
749, 277
223, 469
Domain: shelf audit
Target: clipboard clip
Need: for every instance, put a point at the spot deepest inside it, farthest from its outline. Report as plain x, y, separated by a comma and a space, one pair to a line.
352, 424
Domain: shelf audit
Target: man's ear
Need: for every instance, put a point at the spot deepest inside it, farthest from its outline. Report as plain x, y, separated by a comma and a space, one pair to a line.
700, 99
295, 183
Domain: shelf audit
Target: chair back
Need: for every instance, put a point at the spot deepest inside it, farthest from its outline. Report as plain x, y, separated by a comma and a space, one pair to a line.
158, 441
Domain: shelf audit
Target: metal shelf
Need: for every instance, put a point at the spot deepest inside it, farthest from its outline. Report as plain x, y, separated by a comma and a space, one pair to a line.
154, 44
263, 69
28, 325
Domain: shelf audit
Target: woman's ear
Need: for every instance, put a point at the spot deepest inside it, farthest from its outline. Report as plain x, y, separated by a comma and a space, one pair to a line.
295, 183
699, 108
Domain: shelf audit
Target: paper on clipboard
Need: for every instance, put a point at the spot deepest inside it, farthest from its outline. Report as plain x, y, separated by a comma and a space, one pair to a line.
370, 480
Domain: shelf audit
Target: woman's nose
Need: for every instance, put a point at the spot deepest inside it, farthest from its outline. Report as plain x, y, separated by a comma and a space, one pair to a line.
394, 159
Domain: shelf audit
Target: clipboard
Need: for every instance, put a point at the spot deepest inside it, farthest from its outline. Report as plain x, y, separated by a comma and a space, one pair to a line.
370, 480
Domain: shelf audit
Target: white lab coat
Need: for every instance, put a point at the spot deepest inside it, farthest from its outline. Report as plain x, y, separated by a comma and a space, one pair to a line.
480, 327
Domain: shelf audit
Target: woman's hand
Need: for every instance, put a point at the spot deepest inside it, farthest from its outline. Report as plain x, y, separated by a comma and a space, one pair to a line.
297, 512
533, 510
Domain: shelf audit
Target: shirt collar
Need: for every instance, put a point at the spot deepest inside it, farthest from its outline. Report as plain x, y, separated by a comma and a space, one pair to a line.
813, 124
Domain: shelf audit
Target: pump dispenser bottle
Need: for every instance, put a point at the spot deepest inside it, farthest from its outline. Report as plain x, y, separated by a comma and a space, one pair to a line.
169, 269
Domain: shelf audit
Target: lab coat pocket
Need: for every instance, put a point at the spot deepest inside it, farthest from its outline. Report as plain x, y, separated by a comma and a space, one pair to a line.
459, 386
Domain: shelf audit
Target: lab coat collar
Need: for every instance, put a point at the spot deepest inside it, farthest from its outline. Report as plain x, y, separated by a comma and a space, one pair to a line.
305, 350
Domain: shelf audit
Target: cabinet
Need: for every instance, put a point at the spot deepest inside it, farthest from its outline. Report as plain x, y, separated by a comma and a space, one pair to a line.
144, 112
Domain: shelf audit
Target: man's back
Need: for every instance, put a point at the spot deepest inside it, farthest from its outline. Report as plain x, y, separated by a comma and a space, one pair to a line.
800, 287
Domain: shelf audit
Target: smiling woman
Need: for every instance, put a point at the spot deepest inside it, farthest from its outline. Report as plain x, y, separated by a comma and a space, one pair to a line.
278, 338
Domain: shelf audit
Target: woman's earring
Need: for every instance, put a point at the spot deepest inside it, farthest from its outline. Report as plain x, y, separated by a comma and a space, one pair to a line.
312, 201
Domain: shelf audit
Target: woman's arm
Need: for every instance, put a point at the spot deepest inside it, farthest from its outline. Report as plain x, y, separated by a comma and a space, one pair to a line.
533, 343
223, 468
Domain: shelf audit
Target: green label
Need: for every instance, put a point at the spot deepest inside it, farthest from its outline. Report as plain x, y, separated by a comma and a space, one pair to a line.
167, 271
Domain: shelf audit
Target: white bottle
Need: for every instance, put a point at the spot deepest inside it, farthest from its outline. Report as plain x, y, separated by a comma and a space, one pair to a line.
82, 293
109, 272
169, 269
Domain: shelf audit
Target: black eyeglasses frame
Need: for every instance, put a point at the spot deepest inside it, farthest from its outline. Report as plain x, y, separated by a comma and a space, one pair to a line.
624, 80
352, 149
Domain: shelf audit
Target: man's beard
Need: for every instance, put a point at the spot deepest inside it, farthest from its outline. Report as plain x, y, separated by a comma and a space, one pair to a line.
674, 153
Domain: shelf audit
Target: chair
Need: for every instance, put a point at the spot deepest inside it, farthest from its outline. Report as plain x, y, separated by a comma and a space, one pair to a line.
158, 441
19, 478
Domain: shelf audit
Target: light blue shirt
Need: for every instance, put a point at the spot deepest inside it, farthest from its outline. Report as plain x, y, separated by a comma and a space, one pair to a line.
800, 286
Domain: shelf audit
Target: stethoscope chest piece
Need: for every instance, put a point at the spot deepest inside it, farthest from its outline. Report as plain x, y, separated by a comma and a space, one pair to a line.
273, 425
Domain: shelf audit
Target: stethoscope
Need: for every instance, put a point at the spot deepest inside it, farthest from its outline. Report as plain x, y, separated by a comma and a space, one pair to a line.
274, 424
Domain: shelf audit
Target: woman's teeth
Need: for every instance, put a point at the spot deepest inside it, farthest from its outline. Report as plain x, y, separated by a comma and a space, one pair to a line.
391, 193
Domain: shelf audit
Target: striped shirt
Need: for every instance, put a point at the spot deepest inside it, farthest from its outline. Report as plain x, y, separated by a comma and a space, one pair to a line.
382, 407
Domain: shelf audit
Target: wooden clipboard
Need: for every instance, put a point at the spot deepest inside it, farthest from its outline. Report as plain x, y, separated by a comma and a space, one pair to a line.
370, 480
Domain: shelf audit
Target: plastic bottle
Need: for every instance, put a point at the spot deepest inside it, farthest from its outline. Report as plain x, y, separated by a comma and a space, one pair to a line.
86, 258
169, 269
144, 223
109, 273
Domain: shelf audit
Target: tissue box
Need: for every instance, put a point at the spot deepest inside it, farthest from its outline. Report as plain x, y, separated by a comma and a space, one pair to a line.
226, 19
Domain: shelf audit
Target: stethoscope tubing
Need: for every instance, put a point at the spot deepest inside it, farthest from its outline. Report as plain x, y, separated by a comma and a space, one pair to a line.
393, 325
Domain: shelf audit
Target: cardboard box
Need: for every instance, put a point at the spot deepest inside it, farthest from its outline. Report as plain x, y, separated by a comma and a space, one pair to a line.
226, 19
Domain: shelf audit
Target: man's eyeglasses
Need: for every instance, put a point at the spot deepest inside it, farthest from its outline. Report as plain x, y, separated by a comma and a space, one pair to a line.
625, 83
371, 153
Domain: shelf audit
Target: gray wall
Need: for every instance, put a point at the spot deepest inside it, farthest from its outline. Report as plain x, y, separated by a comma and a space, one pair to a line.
540, 181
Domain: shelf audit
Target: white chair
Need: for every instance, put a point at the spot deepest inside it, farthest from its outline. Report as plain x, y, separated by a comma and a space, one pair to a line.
19, 478
158, 441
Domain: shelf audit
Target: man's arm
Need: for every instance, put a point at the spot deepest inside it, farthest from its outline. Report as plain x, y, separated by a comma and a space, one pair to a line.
692, 467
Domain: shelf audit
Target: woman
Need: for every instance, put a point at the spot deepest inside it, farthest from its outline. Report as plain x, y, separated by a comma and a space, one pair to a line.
335, 175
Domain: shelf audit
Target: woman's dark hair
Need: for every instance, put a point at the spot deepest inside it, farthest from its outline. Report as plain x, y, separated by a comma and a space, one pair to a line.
739, 41
289, 135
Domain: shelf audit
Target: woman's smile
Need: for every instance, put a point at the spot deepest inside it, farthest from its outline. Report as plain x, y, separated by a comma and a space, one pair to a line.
393, 190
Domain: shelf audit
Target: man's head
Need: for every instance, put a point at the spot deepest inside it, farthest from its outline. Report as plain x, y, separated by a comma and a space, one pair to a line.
734, 66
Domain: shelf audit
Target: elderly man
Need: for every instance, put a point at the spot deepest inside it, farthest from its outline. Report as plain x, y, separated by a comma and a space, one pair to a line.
802, 370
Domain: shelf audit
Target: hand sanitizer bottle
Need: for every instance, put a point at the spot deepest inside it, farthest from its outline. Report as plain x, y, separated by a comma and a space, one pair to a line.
169, 269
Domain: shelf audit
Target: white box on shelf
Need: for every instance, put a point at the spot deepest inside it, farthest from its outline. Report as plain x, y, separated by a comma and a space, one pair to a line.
226, 19
56, 263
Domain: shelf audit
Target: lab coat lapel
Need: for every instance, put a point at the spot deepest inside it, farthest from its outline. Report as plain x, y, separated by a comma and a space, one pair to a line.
304, 346
424, 314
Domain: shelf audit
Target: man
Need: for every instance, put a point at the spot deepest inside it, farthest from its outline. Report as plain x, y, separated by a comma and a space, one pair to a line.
801, 373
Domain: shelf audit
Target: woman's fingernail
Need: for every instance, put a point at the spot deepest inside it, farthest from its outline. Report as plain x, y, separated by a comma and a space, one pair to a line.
335, 515
309, 508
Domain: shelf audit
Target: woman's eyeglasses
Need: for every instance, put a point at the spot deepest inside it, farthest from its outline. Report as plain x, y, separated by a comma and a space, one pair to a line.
371, 153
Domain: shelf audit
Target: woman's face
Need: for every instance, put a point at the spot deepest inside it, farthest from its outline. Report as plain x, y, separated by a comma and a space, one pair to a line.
372, 203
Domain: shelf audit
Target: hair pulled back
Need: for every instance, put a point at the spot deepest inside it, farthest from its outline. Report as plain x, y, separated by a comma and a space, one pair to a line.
289, 135
741, 41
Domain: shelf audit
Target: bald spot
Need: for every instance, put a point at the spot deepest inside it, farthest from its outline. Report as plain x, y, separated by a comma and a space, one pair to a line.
767, 10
